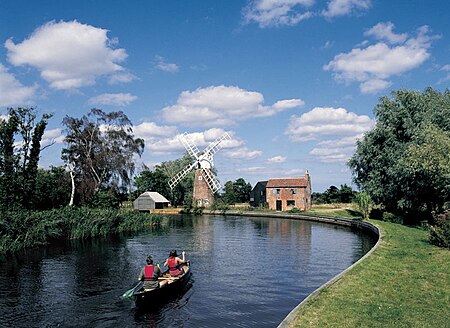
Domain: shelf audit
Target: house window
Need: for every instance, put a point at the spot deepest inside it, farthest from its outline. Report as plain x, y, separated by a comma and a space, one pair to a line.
293, 191
276, 191
290, 202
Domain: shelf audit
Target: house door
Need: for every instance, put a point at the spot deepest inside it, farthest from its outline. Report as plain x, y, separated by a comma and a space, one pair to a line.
279, 207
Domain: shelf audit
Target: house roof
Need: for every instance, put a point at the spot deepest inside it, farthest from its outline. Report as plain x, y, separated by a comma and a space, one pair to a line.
287, 182
156, 196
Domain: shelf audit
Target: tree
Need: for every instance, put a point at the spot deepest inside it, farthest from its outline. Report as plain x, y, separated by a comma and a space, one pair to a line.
158, 180
99, 152
364, 203
19, 159
390, 162
236, 192
52, 188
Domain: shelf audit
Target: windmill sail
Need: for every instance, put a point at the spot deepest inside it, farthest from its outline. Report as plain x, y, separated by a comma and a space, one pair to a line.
202, 161
217, 144
180, 175
212, 182
189, 145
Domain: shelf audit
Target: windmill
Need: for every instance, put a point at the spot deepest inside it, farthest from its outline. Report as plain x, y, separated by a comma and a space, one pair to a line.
205, 184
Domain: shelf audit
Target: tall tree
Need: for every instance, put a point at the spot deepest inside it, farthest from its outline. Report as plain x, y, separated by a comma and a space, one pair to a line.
20, 158
99, 151
385, 162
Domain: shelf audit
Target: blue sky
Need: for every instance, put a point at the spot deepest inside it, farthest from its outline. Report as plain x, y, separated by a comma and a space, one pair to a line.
294, 82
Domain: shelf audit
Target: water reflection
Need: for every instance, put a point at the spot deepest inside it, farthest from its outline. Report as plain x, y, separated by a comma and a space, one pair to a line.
247, 272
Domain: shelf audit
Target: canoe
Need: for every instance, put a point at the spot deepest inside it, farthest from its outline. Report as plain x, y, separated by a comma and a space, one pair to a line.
174, 286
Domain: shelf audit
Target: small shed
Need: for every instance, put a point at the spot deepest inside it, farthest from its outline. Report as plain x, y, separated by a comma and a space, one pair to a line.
150, 200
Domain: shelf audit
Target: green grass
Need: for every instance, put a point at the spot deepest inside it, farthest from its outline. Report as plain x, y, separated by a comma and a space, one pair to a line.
338, 210
404, 283
22, 229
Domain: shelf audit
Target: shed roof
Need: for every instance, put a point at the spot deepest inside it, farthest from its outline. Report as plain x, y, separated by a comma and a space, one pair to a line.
156, 196
287, 182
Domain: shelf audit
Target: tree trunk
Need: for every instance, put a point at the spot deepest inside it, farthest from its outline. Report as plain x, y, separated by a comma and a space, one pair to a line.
72, 194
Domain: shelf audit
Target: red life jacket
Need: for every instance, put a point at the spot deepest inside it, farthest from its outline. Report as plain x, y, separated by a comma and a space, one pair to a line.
172, 263
148, 272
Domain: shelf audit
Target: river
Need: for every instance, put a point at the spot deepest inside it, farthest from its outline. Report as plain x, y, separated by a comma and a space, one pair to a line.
246, 272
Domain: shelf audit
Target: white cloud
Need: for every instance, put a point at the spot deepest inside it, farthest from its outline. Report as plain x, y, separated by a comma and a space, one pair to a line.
69, 55
163, 140
222, 106
113, 99
326, 121
345, 7
52, 136
445, 68
243, 153
372, 66
334, 129
12, 92
151, 129
374, 85
336, 150
268, 13
383, 31
277, 159
162, 64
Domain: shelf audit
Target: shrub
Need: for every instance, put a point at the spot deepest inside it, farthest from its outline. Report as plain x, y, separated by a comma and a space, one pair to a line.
390, 217
363, 203
440, 231
295, 210
376, 214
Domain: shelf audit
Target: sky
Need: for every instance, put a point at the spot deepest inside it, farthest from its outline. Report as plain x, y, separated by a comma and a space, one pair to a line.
293, 82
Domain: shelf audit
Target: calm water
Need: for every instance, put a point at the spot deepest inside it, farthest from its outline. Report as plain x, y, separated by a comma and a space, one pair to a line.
246, 272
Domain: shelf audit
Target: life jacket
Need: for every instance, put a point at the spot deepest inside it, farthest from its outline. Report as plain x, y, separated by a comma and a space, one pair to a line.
148, 272
173, 270
172, 263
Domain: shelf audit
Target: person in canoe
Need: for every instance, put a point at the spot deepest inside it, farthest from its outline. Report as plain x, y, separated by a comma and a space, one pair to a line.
175, 264
149, 275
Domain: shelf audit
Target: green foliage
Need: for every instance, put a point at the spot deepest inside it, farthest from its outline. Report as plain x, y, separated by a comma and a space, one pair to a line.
344, 194
403, 161
295, 210
236, 192
23, 229
440, 230
158, 180
20, 147
52, 188
100, 150
364, 204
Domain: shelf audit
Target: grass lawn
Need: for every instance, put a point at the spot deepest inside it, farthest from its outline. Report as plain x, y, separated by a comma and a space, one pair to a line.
404, 283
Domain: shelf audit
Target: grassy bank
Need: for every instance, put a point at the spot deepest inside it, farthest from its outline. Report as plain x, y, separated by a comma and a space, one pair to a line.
24, 229
404, 283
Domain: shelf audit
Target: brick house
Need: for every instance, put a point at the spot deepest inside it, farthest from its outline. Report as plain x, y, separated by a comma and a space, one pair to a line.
287, 193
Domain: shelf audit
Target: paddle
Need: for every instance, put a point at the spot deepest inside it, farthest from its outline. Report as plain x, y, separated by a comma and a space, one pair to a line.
129, 293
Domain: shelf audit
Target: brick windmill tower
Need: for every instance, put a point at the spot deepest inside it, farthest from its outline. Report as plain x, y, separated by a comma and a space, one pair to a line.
205, 184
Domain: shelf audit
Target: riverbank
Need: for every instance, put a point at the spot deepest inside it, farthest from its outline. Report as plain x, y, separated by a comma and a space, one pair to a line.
25, 229
404, 283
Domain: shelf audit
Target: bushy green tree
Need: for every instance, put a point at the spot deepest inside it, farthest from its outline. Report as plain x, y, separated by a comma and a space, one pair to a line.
52, 188
158, 180
20, 148
401, 163
237, 191
100, 150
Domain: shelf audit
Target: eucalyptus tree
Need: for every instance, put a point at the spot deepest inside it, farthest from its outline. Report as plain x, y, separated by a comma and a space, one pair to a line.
99, 152
402, 163
20, 148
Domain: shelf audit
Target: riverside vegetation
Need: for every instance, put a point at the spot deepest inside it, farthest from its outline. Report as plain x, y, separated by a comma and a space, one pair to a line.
21, 229
404, 283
